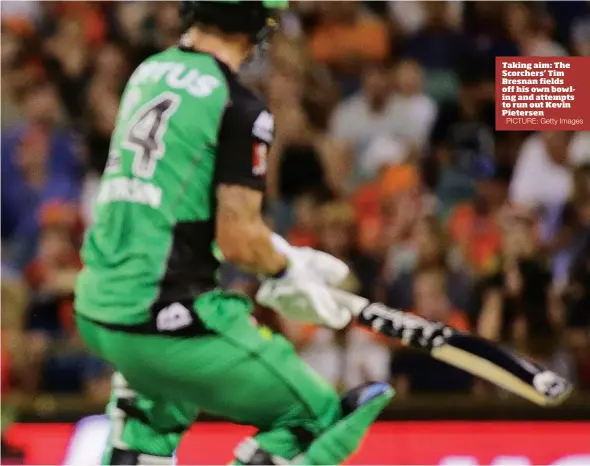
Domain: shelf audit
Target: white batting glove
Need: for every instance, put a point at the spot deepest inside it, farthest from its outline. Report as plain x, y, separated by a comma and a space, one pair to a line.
303, 301
301, 292
311, 264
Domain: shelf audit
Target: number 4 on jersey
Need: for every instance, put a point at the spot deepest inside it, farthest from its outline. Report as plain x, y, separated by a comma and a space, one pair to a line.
146, 132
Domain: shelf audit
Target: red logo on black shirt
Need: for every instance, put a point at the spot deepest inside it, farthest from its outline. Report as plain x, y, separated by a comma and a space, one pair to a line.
259, 158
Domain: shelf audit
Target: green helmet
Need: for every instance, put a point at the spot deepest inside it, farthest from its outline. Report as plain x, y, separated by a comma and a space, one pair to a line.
254, 18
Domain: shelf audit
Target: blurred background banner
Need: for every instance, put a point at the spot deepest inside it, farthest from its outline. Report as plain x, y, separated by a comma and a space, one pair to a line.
449, 443
385, 155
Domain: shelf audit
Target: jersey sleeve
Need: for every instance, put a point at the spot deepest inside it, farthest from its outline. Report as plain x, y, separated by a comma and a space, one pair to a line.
245, 137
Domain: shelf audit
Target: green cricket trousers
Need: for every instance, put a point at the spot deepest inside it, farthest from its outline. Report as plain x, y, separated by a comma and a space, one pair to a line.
226, 366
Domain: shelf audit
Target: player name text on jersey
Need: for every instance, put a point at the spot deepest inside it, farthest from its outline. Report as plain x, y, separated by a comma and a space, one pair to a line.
177, 76
123, 189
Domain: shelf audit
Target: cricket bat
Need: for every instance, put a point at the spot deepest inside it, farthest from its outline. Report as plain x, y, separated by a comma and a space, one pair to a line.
471, 353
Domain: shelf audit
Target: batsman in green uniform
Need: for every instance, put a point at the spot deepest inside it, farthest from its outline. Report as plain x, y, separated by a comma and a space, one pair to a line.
181, 191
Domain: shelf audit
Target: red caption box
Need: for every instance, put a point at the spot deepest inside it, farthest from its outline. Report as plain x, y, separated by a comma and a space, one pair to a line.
542, 93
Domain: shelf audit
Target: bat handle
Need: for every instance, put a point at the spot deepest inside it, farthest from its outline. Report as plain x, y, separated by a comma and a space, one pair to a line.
355, 304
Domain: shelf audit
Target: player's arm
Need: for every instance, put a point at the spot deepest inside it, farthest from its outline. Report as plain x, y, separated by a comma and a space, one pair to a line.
245, 241
242, 235
244, 140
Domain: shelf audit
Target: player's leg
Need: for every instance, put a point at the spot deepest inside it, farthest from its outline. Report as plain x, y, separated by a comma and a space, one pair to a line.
224, 369
360, 407
144, 429
314, 426
299, 415
238, 372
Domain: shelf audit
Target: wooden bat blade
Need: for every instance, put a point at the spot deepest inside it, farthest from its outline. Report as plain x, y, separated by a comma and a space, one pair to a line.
501, 367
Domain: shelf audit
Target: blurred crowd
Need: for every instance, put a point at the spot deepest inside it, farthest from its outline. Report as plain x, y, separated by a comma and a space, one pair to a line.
385, 155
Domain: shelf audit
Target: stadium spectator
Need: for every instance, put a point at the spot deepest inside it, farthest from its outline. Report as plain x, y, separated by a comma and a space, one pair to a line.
102, 94
345, 37
56, 359
440, 49
428, 247
409, 17
543, 176
386, 121
577, 300
580, 35
67, 62
397, 200
576, 243
574, 225
416, 373
563, 18
162, 30
20, 11
303, 233
335, 235
484, 23
462, 139
530, 28
40, 164
14, 302
14, 78
366, 120
518, 302
128, 22
474, 225
412, 104
306, 159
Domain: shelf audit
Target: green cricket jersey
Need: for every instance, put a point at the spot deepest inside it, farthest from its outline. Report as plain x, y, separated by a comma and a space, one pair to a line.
185, 125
